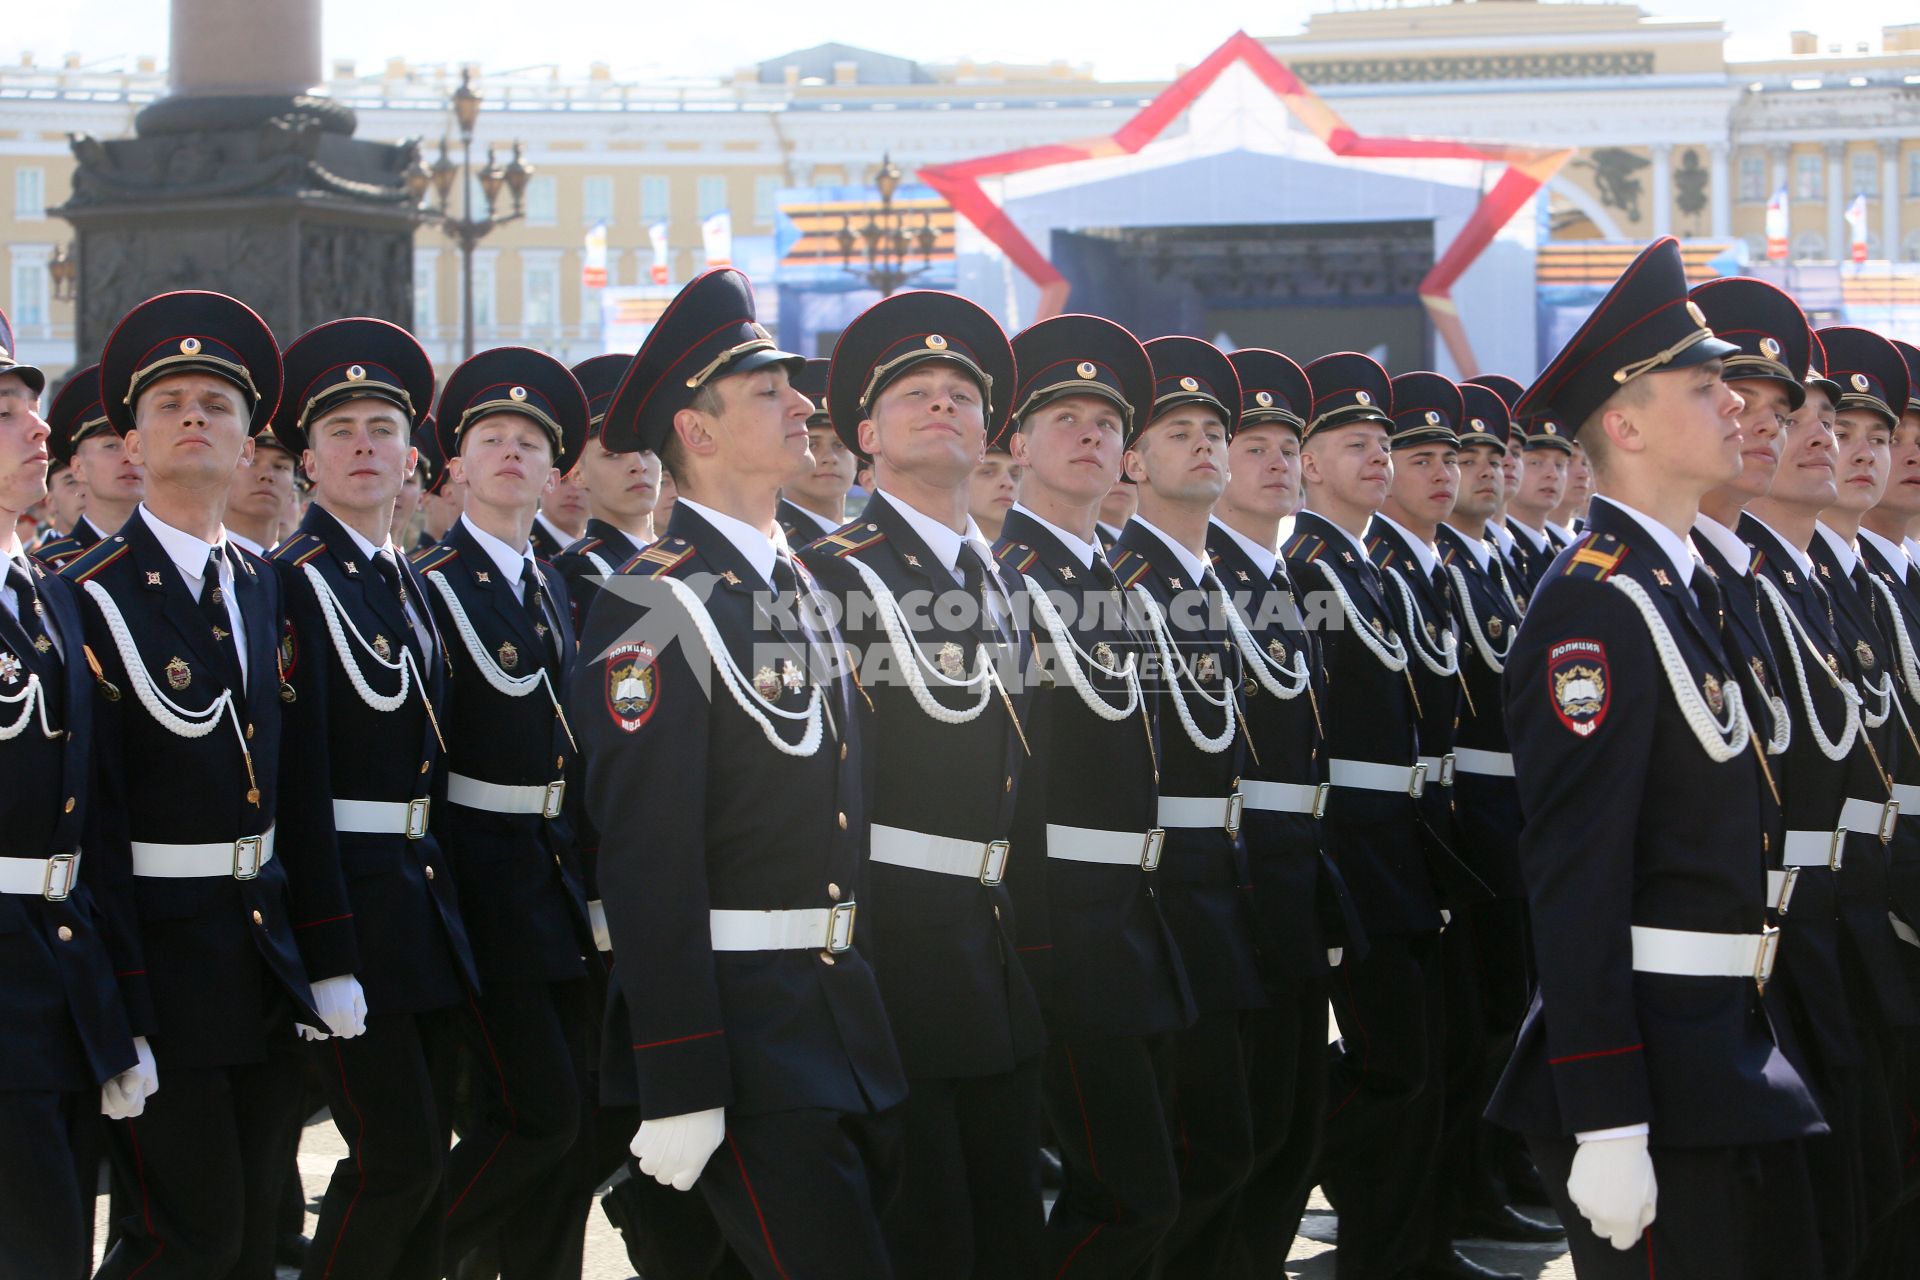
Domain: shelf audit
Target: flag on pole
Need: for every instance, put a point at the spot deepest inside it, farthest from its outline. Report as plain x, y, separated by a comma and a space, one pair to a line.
1777, 226
593, 270
1857, 226
657, 236
716, 234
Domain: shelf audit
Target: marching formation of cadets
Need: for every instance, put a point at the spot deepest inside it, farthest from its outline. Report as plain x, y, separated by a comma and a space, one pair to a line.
587, 836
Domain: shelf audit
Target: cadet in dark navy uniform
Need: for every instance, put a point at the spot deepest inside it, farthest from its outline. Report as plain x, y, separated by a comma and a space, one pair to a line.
1498, 535
1297, 896
1647, 1078
182, 638
813, 502
70, 1051
1093, 933
86, 441
441, 496
511, 421
1177, 458
367, 674
621, 490
724, 773
921, 382
1546, 452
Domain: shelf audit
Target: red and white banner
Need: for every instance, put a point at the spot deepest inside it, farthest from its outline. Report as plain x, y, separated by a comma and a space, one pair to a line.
593, 269
1857, 227
1777, 226
657, 237
716, 235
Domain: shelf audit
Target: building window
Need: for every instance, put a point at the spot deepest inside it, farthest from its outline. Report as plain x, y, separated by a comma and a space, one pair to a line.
1910, 245
1913, 172
596, 200
713, 194
1753, 178
426, 290
30, 293
29, 194
485, 278
1809, 246
656, 199
766, 198
540, 294
1866, 173
543, 201
1809, 176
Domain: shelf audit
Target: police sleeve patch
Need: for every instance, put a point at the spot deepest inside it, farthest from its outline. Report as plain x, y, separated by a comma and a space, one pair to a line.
632, 692
1579, 684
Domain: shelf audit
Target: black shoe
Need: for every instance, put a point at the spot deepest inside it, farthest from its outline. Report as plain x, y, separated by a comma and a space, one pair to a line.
1458, 1266
1509, 1224
291, 1250
1053, 1174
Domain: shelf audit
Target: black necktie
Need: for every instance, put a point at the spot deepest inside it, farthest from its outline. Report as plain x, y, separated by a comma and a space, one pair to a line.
1707, 592
973, 576
213, 606
533, 598
1865, 590
45, 655
389, 570
1103, 573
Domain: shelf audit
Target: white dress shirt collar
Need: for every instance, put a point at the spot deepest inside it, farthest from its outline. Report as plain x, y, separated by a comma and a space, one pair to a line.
513, 565
1423, 551
1501, 535
755, 547
554, 531
945, 543
1891, 550
1725, 541
1265, 559
1083, 550
189, 554
1196, 567
1801, 559
1842, 549
1676, 548
1476, 546
98, 531
825, 525
1358, 545
1537, 540
245, 543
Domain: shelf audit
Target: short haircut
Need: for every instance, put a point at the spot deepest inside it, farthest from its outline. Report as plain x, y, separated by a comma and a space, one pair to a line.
1593, 432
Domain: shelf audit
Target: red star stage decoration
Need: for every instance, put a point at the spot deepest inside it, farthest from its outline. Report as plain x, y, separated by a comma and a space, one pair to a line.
1527, 170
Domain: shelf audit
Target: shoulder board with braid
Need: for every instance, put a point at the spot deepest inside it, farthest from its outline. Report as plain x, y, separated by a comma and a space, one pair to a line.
844, 541
661, 558
298, 549
1019, 555
95, 558
1593, 558
1299, 550
1451, 552
57, 551
1375, 552
1129, 567
582, 546
434, 558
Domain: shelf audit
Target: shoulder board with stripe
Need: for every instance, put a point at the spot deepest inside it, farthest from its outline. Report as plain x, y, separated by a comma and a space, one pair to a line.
661, 558
583, 546
854, 537
56, 551
1595, 558
1300, 551
1128, 566
1019, 555
298, 549
434, 557
1452, 551
94, 559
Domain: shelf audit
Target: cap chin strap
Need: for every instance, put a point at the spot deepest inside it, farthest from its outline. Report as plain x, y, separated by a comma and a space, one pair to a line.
1627, 373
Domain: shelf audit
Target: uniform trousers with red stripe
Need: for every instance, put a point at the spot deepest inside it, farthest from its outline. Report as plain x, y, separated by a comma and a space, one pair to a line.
204, 1164
1384, 1105
390, 1092
1110, 1102
49, 1158
798, 1194
520, 1119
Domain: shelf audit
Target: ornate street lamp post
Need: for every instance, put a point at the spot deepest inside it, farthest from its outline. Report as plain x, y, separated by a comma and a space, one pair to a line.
428, 183
886, 243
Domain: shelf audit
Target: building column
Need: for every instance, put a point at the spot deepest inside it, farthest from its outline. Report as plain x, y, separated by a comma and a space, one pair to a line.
1890, 197
1662, 189
1838, 242
1720, 193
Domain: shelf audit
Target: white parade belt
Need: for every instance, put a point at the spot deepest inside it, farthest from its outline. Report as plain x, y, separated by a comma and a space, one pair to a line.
382, 817
1365, 775
241, 859
50, 878
1488, 764
542, 798
1440, 768
1112, 848
1203, 811
1907, 796
1686, 954
1780, 888
1825, 848
801, 929
982, 860
1286, 797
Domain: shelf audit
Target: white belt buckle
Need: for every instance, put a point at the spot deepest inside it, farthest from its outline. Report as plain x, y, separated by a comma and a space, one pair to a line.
993, 864
840, 926
1320, 794
1788, 878
1236, 809
417, 818
1836, 849
555, 791
1889, 819
1446, 769
1764, 956
63, 868
246, 858
1417, 781
1150, 848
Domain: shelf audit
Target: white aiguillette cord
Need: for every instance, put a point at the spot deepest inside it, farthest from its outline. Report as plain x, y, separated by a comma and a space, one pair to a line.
1163, 640
510, 686
339, 626
1721, 741
1791, 628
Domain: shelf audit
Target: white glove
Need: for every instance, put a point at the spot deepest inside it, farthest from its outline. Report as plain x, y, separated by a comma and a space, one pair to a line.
125, 1096
597, 917
1333, 956
672, 1151
1612, 1185
342, 1005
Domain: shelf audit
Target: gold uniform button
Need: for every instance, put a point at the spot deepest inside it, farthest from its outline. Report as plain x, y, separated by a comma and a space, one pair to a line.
833, 893
429, 873
843, 751
826, 957
1009, 786
996, 913
249, 733
258, 918
66, 934
559, 762
69, 804
423, 768
843, 821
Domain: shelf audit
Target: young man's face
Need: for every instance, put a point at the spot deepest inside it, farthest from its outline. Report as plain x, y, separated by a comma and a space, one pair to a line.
1579, 479
107, 470
506, 460
1863, 448
1689, 419
929, 422
1182, 456
1902, 497
566, 506
23, 447
1350, 465
826, 473
1263, 471
262, 484
1511, 474
444, 505
1805, 478
1118, 506
760, 429
66, 499
1482, 484
1543, 481
1071, 447
358, 454
993, 489
623, 487
1426, 480
1763, 420
191, 431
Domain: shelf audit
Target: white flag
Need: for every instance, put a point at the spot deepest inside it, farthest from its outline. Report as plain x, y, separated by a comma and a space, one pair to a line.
593, 271
657, 236
716, 233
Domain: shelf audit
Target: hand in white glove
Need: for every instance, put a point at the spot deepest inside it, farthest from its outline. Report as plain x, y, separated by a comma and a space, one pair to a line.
342, 1005
597, 917
125, 1096
1612, 1185
1334, 955
672, 1151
